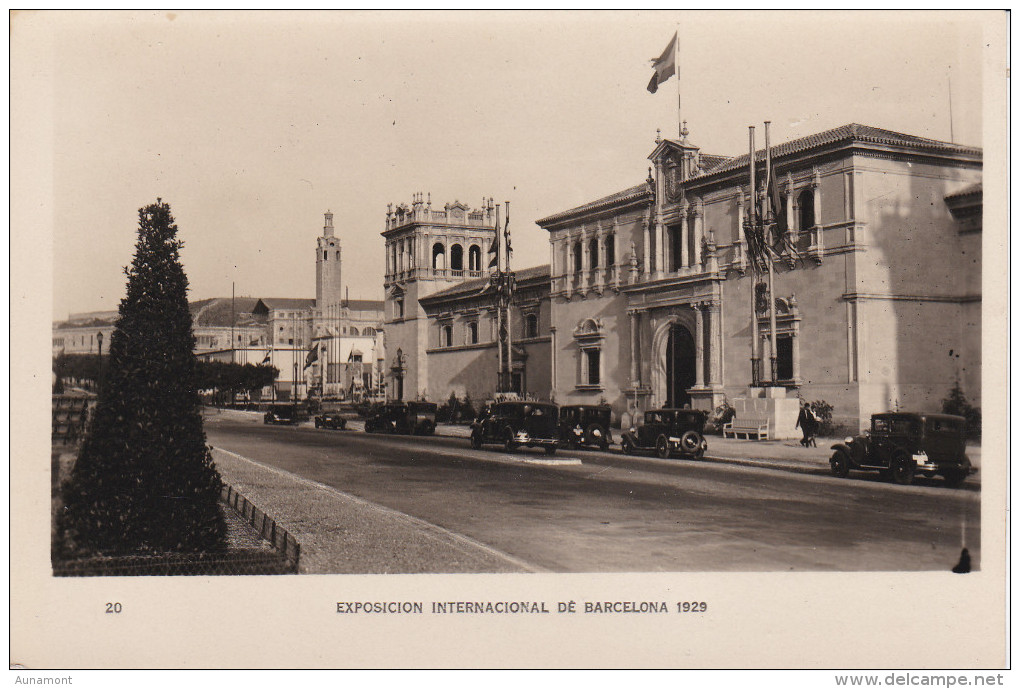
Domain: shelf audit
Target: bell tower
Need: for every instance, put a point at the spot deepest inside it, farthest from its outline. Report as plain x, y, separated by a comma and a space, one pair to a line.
328, 290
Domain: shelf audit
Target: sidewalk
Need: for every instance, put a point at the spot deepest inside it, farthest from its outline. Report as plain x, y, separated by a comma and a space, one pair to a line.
340, 533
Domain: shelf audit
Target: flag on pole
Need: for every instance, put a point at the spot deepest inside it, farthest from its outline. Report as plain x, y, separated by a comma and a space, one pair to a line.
313, 356
494, 250
269, 355
664, 66
506, 235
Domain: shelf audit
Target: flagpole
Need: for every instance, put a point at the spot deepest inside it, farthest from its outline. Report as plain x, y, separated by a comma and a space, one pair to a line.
770, 223
499, 307
752, 222
509, 296
676, 68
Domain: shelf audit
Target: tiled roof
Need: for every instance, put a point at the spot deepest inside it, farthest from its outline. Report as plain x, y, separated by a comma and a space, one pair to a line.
284, 303
216, 312
635, 192
710, 162
846, 133
476, 285
972, 190
365, 304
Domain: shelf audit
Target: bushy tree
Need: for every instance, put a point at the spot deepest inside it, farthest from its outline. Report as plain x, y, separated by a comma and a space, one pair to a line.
144, 480
956, 403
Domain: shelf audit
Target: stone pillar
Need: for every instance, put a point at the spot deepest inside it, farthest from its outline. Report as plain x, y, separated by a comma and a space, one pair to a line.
635, 344
600, 238
647, 232
660, 249
699, 230
684, 233
585, 260
714, 344
796, 353
699, 347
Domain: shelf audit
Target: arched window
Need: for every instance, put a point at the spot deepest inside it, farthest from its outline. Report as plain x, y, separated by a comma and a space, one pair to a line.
593, 253
806, 201
474, 258
472, 333
368, 332
438, 256
325, 255
354, 332
610, 249
457, 257
531, 325
338, 255
447, 335
578, 260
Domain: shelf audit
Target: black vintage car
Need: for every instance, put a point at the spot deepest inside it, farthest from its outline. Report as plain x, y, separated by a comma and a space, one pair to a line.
409, 418
518, 424
331, 419
668, 432
282, 414
585, 425
901, 445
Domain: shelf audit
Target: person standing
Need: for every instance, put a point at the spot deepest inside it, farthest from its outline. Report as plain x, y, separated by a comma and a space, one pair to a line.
808, 425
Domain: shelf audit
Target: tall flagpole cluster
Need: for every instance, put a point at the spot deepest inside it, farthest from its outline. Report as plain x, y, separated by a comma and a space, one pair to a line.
504, 283
765, 242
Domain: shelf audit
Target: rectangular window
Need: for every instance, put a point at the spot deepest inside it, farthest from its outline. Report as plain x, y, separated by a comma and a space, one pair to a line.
675, 246
592, 366
784, 357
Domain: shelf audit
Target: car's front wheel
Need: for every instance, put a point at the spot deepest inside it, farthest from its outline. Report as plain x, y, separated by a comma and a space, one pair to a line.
840, 464
955, 477
428, 428
690, 442
662, 447
476, 440
550, 449
903, 470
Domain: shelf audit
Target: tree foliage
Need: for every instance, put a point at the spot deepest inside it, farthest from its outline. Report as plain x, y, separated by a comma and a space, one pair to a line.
144, 480
225, 378
83, 368
956, 403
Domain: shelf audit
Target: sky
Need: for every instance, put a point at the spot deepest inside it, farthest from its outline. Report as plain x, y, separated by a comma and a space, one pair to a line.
251, 126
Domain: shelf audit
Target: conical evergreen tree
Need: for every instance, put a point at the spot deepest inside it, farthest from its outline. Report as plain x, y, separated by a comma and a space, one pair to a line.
144, 480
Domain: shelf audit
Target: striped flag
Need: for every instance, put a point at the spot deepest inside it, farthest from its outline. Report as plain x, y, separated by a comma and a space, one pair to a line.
664, 66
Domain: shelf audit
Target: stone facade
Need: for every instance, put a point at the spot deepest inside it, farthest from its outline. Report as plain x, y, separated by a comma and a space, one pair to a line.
878, 306
427, 250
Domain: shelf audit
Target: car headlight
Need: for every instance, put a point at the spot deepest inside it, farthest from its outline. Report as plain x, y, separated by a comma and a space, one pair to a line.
597, 433
848, 440
633, 430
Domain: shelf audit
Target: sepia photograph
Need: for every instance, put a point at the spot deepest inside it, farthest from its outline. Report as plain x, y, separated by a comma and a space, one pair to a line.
681, 327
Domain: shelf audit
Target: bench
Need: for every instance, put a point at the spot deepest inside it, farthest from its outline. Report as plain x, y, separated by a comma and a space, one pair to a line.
747, 426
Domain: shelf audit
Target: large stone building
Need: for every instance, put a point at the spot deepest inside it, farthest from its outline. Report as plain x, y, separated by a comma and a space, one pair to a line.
427, 250
648, 299
878, 304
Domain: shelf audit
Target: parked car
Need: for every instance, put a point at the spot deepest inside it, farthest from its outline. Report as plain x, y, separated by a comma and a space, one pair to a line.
668, 432
900, 445
331, 419
409, 418
518, 424
585, 424
282, 414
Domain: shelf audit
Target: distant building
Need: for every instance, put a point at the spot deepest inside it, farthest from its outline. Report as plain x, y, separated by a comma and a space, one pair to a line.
283, 332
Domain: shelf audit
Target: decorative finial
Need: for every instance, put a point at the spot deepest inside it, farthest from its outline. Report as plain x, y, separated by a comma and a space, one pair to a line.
684, 132
658, 135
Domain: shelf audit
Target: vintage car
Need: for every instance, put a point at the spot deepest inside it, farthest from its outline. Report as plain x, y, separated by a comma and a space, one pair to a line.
668, 432
585, 425
901, 445
281, 414
331, 419
409, 418
518, 424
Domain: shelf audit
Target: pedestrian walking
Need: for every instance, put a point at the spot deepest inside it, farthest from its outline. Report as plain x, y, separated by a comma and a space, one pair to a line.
808, 424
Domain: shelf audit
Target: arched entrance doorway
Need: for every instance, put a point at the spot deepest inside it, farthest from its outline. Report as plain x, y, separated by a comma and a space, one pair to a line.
680, 366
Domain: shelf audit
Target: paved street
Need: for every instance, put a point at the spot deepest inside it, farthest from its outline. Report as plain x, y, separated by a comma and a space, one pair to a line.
591, 511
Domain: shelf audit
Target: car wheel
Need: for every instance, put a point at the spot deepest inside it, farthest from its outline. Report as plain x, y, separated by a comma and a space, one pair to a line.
954, 477
369, 427
903, 470
550, 449
690, 442
343, 425
662, 447
476, 441
508, 441
427, 428
840, 464
604, 445
627, 446
317, 423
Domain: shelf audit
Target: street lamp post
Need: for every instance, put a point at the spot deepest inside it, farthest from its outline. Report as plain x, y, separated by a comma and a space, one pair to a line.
99, 339
398, 373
